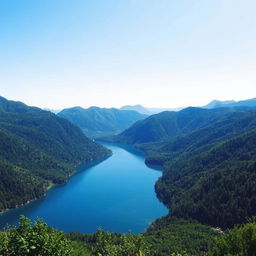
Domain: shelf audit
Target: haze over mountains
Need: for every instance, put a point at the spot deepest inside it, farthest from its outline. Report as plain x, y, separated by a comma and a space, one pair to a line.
148, 111
231, 103
98, 122
213, 104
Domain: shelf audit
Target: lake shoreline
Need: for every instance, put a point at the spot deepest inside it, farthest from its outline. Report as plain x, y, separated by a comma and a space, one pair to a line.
52, 185
117, 195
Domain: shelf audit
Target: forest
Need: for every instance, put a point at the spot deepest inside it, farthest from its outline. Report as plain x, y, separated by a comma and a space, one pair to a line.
38, 149
208, 181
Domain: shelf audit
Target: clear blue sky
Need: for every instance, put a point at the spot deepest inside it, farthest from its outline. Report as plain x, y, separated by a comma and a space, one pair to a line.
159, 53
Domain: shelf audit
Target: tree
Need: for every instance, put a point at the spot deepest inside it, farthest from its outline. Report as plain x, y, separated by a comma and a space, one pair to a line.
34, 239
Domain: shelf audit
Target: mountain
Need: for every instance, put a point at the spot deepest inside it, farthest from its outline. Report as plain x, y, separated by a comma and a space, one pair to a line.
209, 174
169, 124
55, 111
231, 103
208, 159
37, 149
98, 122
148, 111
218, 104
137, 108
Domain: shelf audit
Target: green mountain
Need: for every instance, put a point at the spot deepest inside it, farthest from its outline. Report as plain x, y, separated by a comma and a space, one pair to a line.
37, 149
170, 124
208, 157
208, 178
209, 174
100, 122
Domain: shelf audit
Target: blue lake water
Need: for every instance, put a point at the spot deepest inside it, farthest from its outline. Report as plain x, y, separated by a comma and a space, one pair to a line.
117, 195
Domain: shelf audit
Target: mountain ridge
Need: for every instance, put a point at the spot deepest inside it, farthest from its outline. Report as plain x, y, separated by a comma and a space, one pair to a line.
98, 122
38, 148
168, 124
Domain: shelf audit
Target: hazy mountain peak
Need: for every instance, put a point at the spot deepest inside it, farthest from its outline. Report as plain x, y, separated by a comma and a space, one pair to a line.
230, 103
139, 108
218, 103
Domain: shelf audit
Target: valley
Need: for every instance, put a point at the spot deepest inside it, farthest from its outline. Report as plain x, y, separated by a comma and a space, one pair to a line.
116, 194
127, 128
207, 161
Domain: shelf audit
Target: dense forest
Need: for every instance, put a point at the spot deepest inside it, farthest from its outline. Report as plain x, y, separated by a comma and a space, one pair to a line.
37, 149
169, 124
208, 158
212, 178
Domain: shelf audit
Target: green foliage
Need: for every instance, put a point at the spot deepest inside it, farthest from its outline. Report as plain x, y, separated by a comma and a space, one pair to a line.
169, 235
217, 186
166, 236
111, 244
209, 173
168, 124
37, 148
30, 239
100, 122
239, 241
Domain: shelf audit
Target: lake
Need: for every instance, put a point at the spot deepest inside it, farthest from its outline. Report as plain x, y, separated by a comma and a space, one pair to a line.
117, 195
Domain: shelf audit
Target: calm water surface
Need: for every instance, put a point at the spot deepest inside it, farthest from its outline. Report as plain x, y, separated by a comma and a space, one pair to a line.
117, 195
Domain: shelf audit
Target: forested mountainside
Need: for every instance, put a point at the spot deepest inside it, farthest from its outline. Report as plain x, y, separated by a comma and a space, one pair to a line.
170, 124
214, 184
98, 122
37, 148
209, 174
209, 162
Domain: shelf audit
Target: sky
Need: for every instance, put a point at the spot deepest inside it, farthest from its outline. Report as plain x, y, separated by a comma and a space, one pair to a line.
109, 53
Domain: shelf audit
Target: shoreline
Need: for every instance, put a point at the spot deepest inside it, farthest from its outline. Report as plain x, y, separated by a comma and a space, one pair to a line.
51, 184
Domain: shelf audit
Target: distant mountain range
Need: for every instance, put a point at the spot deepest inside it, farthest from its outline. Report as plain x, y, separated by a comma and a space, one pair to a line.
55, 111
37, 149
213, 104
148, 111
98, 122
230, 103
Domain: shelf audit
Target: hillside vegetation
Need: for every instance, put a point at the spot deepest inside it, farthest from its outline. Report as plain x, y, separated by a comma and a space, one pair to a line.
208, 158
208, 182
178, 238
209, 175
37, 149
98, 122
170, 124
